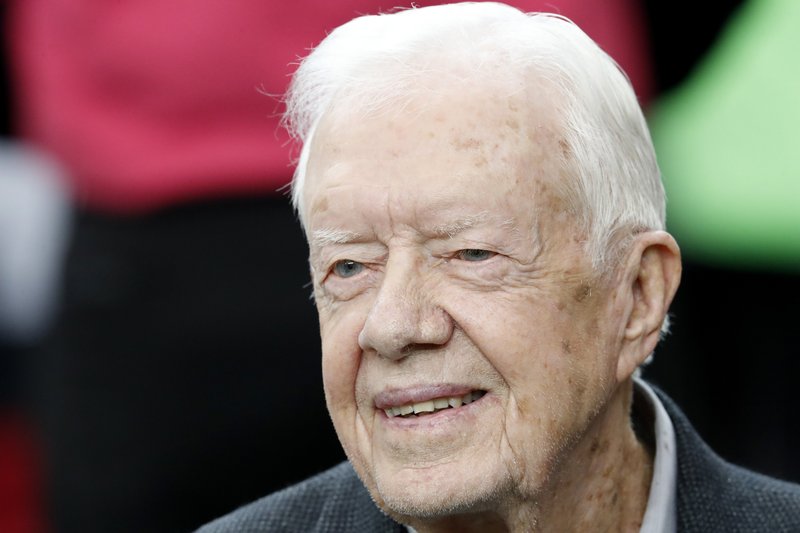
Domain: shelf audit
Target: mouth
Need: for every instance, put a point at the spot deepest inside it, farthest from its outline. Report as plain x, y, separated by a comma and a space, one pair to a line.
429, 407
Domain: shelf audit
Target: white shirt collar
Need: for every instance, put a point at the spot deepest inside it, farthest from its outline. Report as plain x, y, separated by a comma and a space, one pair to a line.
660, 516
661, 513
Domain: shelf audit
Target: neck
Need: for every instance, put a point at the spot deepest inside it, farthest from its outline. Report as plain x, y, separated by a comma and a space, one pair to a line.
602, 484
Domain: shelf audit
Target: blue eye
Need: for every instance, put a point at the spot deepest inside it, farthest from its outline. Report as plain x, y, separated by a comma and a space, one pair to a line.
347, 268
474, 254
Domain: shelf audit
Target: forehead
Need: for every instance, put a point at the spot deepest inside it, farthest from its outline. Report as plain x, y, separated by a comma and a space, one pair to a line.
453, 146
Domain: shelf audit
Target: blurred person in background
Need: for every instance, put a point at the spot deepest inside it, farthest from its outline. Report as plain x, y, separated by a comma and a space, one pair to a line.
186, 349
185, 334
34, 223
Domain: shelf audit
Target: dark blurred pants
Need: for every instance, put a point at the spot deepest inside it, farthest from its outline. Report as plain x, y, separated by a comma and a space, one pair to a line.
183, 377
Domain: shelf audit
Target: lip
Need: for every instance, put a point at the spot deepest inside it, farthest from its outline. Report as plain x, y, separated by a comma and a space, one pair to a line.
441, 422
395, 397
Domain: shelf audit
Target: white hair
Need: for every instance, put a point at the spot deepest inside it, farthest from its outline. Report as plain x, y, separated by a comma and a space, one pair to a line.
373, 63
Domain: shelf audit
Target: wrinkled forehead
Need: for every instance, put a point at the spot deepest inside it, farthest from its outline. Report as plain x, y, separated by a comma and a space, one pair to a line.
490, 118
438, 160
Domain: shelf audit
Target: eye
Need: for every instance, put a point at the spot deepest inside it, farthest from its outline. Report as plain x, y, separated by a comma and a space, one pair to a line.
347, 268
474, 254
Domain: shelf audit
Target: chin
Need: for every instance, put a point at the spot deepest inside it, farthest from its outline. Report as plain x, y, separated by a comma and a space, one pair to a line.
440, 492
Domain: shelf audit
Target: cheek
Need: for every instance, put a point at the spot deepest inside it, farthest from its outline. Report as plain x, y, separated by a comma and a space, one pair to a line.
520, 338
519, 335
341, 357
341, 365
548, 353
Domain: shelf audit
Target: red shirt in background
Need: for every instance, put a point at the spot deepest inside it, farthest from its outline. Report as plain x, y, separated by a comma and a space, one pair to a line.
150, 103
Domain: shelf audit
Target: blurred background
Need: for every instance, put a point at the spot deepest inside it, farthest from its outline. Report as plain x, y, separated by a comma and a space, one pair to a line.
159, 359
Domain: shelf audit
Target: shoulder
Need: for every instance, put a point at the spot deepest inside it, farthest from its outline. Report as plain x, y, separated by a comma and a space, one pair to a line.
332, 501
714, 495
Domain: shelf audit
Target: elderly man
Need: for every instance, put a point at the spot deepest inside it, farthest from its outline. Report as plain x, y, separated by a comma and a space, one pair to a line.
486, 227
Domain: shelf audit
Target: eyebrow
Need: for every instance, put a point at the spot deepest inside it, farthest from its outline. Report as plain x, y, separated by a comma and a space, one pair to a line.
453, 228
327, 236
330, 236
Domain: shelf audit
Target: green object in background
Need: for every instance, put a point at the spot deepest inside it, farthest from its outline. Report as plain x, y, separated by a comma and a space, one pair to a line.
728, 143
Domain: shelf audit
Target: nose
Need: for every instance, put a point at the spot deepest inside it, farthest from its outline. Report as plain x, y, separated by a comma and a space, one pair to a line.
404, 314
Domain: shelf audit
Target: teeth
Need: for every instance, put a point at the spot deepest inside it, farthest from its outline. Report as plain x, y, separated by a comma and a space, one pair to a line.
431, 406
423, 407
441, 403
404, 410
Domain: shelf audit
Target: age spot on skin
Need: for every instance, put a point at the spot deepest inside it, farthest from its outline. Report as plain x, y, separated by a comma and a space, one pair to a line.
583, 292
480, 161
466, 144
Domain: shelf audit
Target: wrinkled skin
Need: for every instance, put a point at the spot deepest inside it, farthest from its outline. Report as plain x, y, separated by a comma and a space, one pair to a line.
444, 261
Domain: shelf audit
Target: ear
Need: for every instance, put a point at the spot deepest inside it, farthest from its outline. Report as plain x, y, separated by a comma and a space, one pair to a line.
654, 267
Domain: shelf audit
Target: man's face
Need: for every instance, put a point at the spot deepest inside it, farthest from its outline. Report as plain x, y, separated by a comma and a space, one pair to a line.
450, 283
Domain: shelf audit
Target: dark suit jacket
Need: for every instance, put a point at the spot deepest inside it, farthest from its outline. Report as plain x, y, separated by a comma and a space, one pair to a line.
713, 496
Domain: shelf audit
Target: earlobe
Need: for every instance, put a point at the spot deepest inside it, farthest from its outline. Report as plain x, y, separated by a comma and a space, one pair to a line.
656, 273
